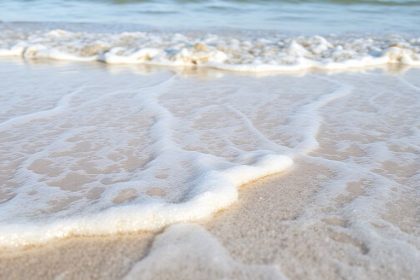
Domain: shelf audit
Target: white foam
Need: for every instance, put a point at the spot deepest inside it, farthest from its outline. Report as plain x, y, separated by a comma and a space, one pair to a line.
84, 143
105, 153
371, 152
244, 53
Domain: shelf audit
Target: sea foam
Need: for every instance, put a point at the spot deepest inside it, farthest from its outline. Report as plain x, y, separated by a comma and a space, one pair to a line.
250, 53
105, 152
130, 167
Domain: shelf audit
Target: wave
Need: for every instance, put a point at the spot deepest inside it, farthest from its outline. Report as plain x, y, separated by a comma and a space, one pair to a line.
235, 53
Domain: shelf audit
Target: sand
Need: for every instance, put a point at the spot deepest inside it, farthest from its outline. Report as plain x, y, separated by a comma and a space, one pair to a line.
317, 220
262, 228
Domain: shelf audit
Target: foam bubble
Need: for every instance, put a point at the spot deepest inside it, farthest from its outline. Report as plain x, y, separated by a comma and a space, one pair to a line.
140, 152
99, 161
244, 53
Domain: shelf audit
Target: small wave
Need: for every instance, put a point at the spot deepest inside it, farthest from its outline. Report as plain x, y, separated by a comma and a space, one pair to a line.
241, 53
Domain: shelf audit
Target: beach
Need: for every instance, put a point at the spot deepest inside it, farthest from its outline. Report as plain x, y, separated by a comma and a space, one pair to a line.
262, 235
209, 139
346, 207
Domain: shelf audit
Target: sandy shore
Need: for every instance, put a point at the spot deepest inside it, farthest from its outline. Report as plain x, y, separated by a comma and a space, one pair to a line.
347, 210
263, 228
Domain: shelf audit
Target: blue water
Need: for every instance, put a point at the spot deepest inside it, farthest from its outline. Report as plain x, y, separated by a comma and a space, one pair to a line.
305, 17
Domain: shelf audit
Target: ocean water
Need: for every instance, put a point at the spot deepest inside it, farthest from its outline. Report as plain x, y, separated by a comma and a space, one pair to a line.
252, 36
288, 16
100, 148
256, 36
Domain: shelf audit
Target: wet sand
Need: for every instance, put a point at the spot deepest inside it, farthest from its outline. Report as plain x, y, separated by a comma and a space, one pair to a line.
264, 228
346, 210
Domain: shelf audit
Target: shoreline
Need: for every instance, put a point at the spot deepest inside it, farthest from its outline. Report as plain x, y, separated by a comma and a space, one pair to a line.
261, 231
346, 208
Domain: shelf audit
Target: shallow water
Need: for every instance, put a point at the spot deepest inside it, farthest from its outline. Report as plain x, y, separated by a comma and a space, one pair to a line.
113, 150
90, 148
290, 17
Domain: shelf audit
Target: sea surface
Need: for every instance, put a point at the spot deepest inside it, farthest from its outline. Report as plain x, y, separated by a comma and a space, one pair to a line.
250, 36
287, 16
